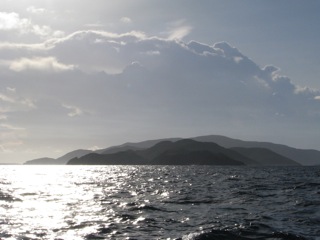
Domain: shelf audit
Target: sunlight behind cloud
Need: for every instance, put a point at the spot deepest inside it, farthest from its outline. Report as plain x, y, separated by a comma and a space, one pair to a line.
178, 29
179, 32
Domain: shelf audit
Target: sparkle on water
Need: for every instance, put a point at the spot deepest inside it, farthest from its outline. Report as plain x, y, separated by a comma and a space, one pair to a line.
155, 202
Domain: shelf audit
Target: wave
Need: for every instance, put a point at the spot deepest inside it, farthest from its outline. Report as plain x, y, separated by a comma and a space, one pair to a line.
8, 197
242, 234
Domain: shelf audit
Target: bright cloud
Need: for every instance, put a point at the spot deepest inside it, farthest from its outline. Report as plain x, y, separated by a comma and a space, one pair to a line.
22, 49
94, 148
179, 32
5, 98
41, 30
40, 64
12, 21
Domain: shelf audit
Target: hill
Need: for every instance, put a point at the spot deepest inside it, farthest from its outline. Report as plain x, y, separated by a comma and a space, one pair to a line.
184, 152
301, 156
181, 152
265, 157
191, 149
135, 145
42, 161
306, 157
59, 161
128, 157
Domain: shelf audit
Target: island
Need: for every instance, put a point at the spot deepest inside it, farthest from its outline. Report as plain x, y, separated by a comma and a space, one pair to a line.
186, 152
201, 150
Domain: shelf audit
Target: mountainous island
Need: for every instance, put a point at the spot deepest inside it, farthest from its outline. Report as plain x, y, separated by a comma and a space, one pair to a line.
204, 150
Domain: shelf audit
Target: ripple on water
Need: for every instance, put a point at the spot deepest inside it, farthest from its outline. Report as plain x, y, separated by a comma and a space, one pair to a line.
159, 202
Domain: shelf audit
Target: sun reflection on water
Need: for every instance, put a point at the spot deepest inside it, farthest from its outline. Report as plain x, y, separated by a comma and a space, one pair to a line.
56, 200
71, 202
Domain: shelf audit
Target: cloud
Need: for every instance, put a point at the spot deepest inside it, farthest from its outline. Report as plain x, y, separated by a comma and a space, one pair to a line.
137, 84
35, 10
178, 30
218, 78
9, 89
40, 64
94, 25
11, 102
45, 31
5, 98
10, 146
24, 48
97, 50
95, 148
10, 127
203, 76
11, 137
74, 111
12, 21
126, 20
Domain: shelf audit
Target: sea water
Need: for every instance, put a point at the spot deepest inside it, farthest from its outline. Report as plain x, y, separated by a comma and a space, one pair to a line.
159, 202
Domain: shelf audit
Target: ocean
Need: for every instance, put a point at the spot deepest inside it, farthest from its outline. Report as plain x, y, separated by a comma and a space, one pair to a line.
159, 202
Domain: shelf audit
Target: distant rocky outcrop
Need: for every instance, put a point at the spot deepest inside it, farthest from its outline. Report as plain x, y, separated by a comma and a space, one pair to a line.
183, 152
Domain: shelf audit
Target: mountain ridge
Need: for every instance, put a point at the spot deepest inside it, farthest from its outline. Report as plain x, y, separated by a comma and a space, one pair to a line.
306, 157
181, 152
185, 152
59, 161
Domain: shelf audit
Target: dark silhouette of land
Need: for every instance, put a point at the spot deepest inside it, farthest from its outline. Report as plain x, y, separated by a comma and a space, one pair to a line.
211, 149
307, 157
59, 161
183, 152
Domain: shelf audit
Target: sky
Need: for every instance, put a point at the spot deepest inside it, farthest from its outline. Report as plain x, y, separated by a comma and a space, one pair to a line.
92, 74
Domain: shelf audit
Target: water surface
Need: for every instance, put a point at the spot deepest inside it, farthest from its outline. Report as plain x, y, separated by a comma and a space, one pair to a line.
159, 202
